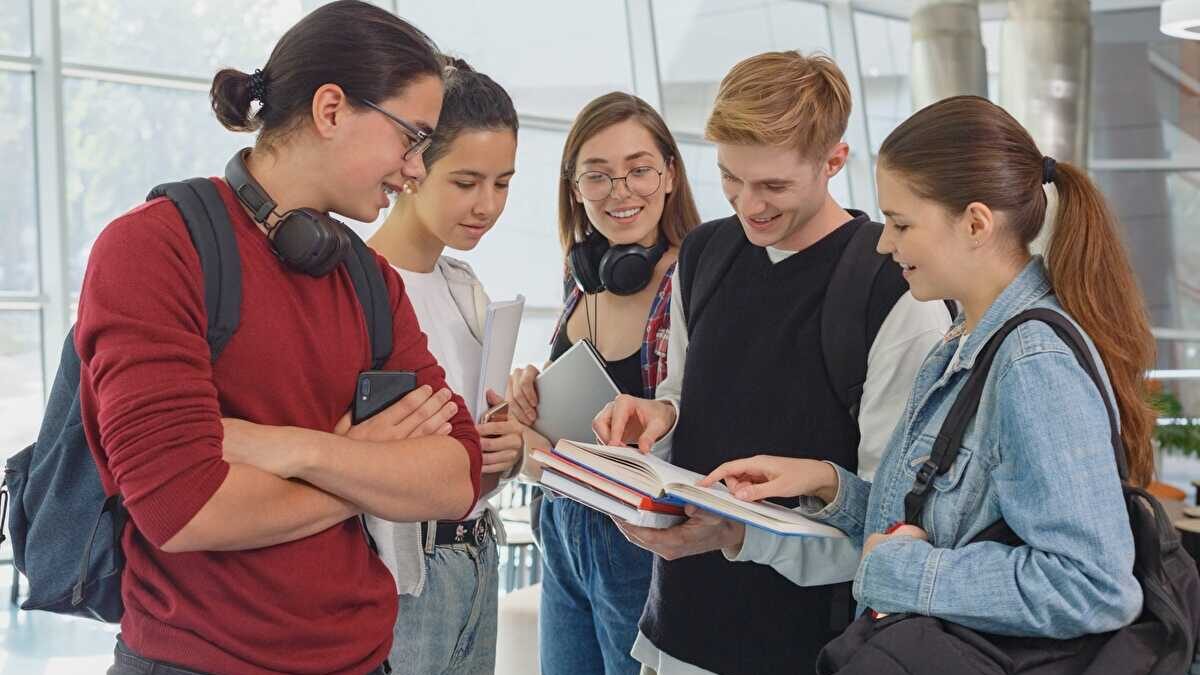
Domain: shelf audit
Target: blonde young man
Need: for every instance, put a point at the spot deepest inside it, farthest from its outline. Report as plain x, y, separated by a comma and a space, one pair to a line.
751, 370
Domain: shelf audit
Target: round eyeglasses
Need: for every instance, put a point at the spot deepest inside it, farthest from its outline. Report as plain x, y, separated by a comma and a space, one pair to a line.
642, 181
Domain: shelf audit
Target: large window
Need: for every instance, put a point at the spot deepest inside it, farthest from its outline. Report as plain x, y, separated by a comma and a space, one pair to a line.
122, 140
552, 56
20, 318
18, 186
884, 48
145, 35
699, 42
14, 27
884, 53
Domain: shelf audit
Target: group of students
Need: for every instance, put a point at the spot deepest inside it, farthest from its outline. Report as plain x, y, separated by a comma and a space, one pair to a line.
244, 477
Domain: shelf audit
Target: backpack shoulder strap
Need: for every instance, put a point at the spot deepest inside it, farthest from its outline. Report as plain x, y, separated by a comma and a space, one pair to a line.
845, 336
211, 231
705, 257
372, 292
949, 438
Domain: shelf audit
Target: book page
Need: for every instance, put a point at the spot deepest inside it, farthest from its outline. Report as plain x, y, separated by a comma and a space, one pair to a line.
663, 471
622, 465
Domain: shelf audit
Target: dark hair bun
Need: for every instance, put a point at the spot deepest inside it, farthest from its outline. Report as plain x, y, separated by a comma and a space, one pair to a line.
231, 96
454, 63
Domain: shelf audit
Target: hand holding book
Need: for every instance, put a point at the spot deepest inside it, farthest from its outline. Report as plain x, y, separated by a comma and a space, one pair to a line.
700, 533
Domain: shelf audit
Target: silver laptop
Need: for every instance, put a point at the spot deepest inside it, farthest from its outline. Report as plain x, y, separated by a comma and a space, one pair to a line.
571, 392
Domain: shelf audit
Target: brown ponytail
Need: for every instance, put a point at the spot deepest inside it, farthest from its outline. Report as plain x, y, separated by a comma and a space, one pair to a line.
966, 149
1103, 296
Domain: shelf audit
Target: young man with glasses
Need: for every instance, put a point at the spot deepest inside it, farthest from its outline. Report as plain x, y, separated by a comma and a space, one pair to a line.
751, 299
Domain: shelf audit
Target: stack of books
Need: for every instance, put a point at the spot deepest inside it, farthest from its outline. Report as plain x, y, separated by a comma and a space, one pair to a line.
650, 492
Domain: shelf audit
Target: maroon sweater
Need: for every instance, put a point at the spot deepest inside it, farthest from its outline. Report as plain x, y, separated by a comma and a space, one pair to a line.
152, 404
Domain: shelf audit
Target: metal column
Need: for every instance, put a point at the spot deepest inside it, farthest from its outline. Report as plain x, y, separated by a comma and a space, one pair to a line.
947, 51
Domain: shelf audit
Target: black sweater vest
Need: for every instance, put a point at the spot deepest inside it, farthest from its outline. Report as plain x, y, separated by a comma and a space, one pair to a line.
755, 383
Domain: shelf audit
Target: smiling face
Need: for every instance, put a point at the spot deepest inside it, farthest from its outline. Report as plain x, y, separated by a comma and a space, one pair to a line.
467, 188
623, 150
933, 247
776, 190
364, 160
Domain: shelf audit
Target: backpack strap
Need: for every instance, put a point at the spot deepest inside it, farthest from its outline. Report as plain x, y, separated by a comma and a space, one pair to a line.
845, 337
949, 438
211, 231
363, 266
717, 251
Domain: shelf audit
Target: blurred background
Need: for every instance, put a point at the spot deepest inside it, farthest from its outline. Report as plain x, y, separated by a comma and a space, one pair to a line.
102, 99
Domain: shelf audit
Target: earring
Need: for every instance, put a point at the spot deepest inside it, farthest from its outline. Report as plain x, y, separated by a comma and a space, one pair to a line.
408, 188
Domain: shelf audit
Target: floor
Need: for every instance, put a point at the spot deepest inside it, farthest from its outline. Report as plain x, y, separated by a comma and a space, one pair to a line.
37, 643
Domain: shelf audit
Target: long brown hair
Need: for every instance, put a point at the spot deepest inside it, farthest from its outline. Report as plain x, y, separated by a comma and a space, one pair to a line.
679, 212
966, 149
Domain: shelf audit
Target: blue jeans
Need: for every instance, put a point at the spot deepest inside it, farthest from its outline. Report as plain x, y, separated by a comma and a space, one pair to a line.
594, 587
451, 626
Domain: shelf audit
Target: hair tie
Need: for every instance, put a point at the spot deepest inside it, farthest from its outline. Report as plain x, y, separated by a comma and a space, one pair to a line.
1048, 170
258, 86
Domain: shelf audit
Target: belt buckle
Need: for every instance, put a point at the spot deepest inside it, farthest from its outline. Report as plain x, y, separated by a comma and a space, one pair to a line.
480, 530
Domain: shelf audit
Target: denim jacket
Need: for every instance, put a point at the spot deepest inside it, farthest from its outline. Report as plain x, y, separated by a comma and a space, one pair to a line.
1038, 454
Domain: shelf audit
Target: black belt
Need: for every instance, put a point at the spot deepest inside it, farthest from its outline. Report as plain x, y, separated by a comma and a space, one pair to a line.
457, 532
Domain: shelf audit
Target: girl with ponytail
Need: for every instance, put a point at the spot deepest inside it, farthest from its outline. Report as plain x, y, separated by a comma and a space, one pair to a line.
962, 186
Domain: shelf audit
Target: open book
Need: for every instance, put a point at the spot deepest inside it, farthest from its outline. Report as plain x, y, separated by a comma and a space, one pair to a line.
588, 488
662, 481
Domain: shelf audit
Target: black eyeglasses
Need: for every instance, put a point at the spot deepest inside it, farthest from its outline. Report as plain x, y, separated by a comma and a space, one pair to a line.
420, 140
642, 181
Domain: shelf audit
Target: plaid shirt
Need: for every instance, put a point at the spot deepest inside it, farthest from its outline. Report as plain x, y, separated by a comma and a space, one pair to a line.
654, 340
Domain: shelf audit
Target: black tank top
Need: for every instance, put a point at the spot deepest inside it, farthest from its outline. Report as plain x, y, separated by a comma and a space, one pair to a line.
626, 373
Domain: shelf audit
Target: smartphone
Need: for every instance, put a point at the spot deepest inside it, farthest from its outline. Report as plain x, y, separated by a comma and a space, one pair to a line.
378, 389
496, 413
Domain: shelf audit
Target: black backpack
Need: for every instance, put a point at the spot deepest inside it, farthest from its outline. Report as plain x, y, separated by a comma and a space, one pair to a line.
1162, 641
62, 542
846, 337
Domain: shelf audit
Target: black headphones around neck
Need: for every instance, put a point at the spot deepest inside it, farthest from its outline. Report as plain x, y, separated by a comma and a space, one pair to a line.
623, 269
306, 240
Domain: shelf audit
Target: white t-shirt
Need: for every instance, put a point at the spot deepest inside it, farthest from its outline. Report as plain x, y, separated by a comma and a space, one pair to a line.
450, 339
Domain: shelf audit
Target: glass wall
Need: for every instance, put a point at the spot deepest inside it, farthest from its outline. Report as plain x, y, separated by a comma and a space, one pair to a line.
127, 109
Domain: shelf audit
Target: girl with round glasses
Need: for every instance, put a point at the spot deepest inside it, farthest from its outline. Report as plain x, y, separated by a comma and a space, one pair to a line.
624, 206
